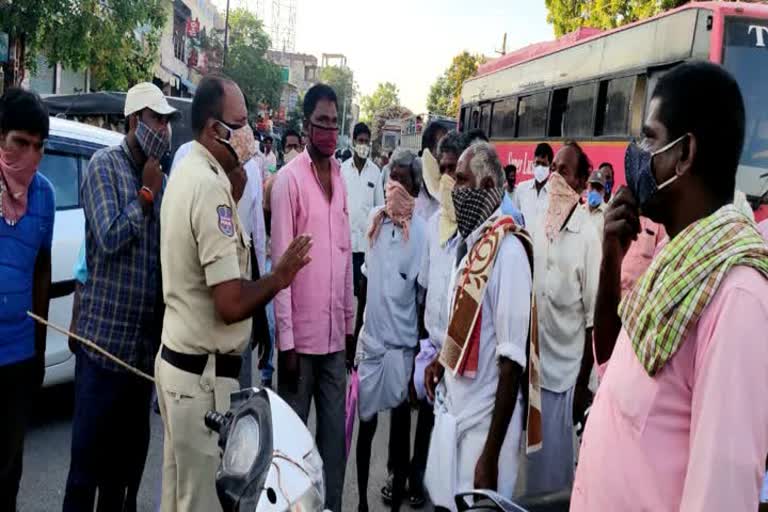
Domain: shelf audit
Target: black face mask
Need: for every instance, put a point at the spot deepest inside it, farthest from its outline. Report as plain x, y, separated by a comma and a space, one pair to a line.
474, 206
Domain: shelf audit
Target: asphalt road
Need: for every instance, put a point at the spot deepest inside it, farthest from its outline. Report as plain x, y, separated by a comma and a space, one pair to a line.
47, 454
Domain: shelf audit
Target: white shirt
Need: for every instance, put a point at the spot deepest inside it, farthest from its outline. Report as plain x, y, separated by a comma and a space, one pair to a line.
362, 197
270, 159
251, 217
532, 204
251, 211
597, 218
435, 275
464, 406
425, 205
566, 278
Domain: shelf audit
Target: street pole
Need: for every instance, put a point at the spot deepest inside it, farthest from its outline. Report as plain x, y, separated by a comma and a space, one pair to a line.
226, 37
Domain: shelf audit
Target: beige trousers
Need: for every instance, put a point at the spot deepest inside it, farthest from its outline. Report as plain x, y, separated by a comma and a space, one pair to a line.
190, 452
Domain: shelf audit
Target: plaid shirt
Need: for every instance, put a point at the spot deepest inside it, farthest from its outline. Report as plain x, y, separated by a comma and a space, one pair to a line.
121, 305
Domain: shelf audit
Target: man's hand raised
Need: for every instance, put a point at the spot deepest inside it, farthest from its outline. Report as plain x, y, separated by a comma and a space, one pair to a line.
295, 258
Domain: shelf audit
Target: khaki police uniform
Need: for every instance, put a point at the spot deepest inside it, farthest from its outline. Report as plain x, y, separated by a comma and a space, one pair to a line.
201, 245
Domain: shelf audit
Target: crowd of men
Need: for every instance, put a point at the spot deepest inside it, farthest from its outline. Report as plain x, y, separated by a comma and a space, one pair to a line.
496, 309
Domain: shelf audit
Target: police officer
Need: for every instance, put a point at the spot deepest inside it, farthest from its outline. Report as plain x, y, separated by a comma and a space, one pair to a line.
207, 288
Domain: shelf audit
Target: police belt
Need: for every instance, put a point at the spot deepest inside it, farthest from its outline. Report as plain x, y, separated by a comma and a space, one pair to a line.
227, 365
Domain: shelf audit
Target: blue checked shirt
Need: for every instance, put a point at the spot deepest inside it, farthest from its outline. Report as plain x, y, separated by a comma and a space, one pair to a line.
121, 300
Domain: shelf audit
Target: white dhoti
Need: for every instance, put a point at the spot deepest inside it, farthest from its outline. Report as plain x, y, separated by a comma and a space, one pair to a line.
458, 439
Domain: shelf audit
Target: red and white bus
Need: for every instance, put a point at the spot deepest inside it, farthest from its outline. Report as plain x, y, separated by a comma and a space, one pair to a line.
594, 86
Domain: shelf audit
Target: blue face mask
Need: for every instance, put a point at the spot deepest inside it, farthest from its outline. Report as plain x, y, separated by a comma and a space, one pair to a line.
638, 169
594, 198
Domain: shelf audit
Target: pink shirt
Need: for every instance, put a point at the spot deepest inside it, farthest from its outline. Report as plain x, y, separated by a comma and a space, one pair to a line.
316, 312
763, 228
695, 436
640, 253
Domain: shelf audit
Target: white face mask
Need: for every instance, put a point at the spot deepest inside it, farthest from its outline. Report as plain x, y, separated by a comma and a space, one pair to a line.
362, 150
290, 155
540, 173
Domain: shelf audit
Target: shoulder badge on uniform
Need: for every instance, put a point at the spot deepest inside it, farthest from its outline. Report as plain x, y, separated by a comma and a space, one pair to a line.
226, 225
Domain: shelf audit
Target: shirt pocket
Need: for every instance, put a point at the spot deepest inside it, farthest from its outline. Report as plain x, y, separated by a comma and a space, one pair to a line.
561, 284
399, 286
341, 229
631, 388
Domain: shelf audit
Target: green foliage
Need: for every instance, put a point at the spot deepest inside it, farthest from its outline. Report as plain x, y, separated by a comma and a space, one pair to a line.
117, 39
568, 15
445, 94
258, 78
343, 82
385, 96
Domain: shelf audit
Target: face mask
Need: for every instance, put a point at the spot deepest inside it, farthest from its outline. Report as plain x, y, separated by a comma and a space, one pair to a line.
240, 142
447, 212
154, 144
562, 200
474, 206
594, 198
17, 169
362, 150
431, 173
290, 155
323, 139
638, 168
541, 173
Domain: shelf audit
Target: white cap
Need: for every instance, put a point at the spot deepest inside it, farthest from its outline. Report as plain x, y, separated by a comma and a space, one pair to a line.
147, 95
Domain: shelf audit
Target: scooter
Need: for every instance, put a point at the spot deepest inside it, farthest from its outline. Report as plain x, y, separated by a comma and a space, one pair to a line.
489, 501
269, 459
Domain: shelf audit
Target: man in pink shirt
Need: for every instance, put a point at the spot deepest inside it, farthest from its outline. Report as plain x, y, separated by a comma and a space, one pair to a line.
315, 316
680, 422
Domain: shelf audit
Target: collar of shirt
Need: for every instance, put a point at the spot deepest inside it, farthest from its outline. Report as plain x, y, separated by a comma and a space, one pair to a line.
576, 220
127, 150
203, 151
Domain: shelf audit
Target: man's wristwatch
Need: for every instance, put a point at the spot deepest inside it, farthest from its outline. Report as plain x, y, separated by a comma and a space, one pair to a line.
146, 193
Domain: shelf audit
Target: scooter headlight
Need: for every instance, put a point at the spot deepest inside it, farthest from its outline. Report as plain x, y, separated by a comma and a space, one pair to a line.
242, 446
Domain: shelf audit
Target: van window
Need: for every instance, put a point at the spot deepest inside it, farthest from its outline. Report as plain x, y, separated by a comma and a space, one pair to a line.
503, 118
613, 107
532, 115
580, 112
62, 170
464, 119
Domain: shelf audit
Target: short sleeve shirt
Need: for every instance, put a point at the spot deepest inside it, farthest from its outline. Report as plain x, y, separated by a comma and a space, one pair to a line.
202, 244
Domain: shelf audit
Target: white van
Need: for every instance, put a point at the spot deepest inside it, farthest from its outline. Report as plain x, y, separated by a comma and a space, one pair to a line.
68, 150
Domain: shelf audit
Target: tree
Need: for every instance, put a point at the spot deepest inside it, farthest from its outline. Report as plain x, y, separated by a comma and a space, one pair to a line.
342, 80
445, 94
440, 96
117, 39
259, 79
568, 15
386, 95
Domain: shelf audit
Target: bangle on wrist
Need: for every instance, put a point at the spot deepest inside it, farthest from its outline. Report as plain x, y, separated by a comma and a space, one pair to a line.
147, 194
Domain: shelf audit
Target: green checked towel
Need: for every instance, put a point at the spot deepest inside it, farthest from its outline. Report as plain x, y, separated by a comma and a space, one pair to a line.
668, 299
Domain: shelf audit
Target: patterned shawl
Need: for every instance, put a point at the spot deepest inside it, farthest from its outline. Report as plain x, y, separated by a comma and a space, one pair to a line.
669, 298
460, 352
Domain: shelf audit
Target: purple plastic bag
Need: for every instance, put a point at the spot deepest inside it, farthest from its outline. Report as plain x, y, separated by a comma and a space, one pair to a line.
352, 392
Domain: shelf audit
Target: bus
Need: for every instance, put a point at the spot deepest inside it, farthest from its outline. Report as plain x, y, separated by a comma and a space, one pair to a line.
413, 128
594, 86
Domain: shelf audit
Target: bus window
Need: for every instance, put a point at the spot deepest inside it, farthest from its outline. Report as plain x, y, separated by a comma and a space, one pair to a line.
474, 121
503, 118
614, 101
580, 112
485, 118
532, 115
464, 119
557, 114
